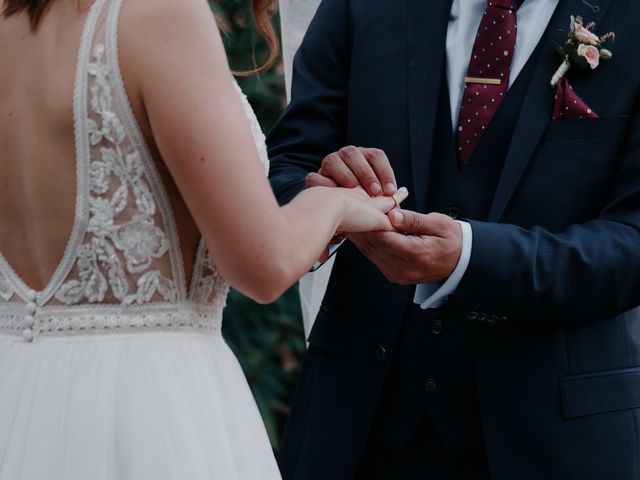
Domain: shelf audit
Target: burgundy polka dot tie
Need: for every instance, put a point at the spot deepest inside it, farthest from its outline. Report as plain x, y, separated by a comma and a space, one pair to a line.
487, 78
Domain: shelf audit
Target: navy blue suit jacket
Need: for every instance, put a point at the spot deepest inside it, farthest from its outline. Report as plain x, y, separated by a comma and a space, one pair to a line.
554, 276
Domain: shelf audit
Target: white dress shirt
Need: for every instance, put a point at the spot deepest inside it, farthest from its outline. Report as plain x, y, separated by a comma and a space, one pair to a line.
533, 17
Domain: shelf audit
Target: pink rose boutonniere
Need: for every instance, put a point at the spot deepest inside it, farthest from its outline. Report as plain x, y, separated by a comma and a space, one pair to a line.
582, 49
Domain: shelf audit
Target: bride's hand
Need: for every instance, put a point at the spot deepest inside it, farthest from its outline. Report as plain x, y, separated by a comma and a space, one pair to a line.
363, 213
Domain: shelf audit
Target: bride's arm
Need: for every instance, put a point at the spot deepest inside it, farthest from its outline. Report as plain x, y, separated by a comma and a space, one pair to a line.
200, 128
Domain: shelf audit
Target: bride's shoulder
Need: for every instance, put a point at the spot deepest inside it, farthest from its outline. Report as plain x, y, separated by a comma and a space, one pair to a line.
160, 36
165, 24
173, 7
160, 17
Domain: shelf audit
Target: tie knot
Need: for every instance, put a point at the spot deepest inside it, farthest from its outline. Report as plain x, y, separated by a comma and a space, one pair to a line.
508, 4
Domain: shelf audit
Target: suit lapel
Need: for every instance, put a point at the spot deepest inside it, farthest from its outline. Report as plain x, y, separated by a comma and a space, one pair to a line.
427, 31
537, 108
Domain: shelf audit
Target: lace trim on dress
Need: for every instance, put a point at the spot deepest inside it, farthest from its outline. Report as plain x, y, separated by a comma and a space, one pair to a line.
256, 130
105, 320
139, 144
207, 286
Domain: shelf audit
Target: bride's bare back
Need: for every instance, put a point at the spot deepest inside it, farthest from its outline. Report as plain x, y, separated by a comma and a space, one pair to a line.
37, 145
37, 153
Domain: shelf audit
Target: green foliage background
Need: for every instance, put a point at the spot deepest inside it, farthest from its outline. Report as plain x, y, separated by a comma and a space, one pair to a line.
268, 340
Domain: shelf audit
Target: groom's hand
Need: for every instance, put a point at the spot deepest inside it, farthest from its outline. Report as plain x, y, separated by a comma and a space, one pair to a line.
351, 167
427, 250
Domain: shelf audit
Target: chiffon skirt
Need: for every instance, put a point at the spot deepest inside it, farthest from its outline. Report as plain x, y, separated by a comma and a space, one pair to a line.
141, 406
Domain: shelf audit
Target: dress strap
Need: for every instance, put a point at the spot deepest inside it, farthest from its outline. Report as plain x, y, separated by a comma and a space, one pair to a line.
136, 137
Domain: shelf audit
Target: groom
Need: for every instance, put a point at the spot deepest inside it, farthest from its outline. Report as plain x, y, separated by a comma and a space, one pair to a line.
500, 340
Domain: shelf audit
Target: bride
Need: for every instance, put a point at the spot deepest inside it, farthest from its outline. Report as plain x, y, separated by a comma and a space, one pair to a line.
132, 194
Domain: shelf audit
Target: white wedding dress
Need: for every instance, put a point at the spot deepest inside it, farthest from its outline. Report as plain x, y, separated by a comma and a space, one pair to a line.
117, 370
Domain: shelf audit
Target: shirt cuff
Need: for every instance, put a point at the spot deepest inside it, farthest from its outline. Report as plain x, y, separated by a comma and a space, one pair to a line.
434, 295
331, 251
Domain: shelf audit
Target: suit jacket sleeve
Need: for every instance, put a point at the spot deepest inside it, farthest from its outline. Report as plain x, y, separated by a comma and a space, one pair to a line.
590, 270
314, 123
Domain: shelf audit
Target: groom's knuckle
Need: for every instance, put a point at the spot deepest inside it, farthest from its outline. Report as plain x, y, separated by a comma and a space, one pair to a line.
444, 222
363, 171
349, 151
349, 181
440, 222
380, 162
377, 156
415, 222
437, 225
331, 161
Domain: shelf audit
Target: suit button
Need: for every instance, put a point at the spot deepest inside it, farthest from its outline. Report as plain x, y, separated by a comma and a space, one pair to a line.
453, 213
381, 353
431, 385
436, 327
472, 316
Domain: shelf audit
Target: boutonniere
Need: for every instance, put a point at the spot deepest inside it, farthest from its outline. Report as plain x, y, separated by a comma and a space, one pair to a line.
583, 49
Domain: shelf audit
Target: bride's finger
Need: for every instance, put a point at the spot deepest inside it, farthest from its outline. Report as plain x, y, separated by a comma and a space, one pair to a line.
386, 204
401, 195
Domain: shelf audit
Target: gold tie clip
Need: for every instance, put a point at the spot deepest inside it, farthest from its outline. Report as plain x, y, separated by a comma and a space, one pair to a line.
483, 81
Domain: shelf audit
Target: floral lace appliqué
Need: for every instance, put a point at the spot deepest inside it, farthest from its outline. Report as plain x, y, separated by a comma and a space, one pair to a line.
123, 237
207, 286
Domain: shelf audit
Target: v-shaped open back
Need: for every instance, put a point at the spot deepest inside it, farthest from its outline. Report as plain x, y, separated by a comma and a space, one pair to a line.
10, 282
123, 247
123, 261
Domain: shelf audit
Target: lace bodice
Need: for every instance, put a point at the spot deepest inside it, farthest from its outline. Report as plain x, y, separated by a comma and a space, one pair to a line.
122, 267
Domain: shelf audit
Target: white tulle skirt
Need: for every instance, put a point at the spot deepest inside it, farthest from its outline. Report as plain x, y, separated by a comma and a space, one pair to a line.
144, 406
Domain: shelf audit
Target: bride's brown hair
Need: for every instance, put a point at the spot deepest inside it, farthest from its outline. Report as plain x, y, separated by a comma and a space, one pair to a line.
262, 12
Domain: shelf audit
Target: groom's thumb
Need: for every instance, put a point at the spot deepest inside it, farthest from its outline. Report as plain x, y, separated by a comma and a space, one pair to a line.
411, 222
